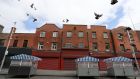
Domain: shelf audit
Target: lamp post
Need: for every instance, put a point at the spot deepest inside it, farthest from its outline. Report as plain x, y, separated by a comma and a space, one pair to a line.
133, 50
6, 51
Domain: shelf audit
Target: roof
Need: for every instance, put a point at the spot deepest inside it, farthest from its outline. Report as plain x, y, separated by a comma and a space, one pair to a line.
25, 57
118, 59
87, 59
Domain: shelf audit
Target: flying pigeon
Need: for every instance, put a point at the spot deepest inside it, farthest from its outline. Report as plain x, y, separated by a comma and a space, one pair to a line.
27, 14
66, 20
97, 16
18, 0
32, 5
113, 2
34, 19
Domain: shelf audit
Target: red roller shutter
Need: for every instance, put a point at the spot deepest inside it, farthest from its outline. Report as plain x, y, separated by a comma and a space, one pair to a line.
69, 64
49, 64
102, 65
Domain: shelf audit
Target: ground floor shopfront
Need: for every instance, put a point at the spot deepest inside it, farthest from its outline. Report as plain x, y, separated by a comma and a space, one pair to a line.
65, 60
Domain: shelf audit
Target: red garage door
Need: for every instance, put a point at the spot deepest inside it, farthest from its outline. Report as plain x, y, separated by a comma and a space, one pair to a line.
49, 64
69, 64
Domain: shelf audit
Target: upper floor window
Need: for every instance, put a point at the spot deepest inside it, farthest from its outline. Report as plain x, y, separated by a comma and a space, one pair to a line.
80, 34
2, 42
40, 45
120, 36
131, 37
93, 34
69, 34
81, 45
25, 43
55, 34
54, 46
15, 43
122, 47
134, 48
107, 46
94, 46
105, 35
68, 45
42, 34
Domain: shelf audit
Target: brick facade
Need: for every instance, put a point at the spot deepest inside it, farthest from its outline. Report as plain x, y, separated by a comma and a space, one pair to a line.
61, 46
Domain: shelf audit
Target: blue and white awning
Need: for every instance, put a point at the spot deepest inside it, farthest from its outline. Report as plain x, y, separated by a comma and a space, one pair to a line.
87, 59
25, 57
118, 59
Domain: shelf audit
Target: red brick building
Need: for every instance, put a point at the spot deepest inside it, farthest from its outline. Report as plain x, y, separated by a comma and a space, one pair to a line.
59, 47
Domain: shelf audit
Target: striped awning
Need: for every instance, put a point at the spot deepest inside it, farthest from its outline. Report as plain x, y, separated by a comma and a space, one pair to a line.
25, 57
87, 59
118, 59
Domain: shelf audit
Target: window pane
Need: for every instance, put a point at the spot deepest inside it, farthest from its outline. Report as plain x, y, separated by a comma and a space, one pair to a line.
93, 34
40, 45
69, 34
15, 43
105, 35
107, 46
134, 48
122, 47
81, 45
54, 46
55, 34
68, 45
120, 36
2, 42
25, 43
80, 34
42, 34
95, 47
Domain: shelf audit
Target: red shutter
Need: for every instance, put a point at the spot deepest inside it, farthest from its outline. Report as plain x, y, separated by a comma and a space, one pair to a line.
49, 64
102, 65
69, 64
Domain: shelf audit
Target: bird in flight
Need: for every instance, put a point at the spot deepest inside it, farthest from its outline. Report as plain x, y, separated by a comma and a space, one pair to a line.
34, 19
66, 20
113, 2
97, 16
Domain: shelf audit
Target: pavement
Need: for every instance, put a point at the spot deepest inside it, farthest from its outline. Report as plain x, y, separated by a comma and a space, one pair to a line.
60, 74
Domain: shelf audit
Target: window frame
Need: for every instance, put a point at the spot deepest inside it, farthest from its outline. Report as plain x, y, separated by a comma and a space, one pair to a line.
55, 34
42, 34
80, 34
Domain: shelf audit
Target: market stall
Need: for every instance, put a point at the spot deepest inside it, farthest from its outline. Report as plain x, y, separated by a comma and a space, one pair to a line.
23, 65
87, 66
119, 66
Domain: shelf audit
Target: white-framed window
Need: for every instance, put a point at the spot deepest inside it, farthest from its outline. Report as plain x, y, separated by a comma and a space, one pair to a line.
80, 34
134, 48
81, 45
68, 45
40, 45
93, 34
107, 47
55, 34
69, 34
42, 34
105, 35
120, 36
54, 46
94, 46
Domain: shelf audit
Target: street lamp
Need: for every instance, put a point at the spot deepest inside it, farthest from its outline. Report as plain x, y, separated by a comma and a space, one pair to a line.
133, 50
6, 51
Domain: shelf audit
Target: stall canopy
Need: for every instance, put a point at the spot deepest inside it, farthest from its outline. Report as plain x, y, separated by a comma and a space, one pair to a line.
87, 59
118, 59
25, 57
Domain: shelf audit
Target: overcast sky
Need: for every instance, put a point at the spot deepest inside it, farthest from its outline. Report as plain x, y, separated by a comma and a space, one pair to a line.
123, 13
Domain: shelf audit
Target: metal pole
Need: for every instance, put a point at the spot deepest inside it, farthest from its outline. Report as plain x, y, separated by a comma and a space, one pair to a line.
133, 54
6, 51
